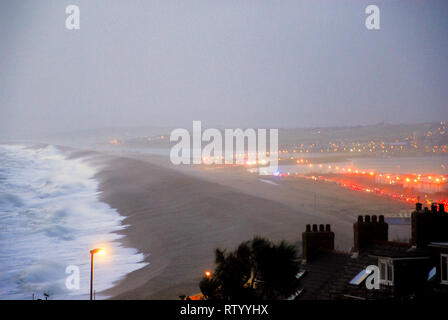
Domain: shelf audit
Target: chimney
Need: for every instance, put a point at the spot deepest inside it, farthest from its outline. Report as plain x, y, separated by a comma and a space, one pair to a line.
429, 225
418, 206
433, 207
366, 231
316, 240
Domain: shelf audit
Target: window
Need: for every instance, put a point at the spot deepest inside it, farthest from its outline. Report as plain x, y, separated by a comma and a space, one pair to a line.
444, 268
300, 274
389, 272
386, 271
296, 294
431, 273
360, 277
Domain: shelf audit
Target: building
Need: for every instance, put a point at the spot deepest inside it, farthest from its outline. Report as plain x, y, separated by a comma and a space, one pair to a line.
414, 270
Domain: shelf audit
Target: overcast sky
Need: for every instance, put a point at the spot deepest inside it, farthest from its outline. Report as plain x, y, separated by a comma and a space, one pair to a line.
260, 63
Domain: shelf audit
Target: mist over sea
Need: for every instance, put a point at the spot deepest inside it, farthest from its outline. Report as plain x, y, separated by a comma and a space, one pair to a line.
50, 217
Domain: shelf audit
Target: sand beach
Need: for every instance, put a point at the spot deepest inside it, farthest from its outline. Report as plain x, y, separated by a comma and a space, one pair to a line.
177, 215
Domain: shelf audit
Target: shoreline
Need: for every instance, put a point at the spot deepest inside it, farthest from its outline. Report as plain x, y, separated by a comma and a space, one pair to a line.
178, 216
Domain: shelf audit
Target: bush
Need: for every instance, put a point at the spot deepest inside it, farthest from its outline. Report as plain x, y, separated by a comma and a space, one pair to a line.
257, 269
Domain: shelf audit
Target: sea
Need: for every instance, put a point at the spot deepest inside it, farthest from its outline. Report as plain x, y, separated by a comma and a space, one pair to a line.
51, 217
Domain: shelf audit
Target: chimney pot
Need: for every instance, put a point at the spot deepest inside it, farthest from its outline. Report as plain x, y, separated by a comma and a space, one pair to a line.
429, 226
434, 208
308, 228
418, 206
374, 219
366, 233
360, 218
328, 228
314, 242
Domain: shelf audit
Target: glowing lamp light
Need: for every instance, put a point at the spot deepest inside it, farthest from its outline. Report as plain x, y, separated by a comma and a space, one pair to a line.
99, 251
208, 273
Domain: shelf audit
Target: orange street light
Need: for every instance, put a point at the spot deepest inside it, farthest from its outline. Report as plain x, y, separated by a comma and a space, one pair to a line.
208, 273
92, 253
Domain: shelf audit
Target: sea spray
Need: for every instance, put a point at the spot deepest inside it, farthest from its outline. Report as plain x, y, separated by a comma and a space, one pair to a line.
51, 216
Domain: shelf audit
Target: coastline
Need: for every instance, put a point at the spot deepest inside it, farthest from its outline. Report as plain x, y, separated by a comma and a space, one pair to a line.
178, 216
52, 216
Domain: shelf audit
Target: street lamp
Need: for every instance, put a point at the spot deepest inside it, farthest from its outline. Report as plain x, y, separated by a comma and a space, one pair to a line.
92, 253
208, 273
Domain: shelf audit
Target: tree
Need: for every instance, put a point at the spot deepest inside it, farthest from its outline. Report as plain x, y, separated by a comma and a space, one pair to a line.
257, 269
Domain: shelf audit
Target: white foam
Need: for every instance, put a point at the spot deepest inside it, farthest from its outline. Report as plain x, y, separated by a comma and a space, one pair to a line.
51, 217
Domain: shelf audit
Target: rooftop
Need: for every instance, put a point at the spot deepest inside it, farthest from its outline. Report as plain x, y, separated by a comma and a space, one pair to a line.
403, 270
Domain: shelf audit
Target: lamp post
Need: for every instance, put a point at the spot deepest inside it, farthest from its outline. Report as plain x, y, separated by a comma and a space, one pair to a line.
92, 253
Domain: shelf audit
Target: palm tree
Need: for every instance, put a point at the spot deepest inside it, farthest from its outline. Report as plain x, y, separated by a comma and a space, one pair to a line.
257, 269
